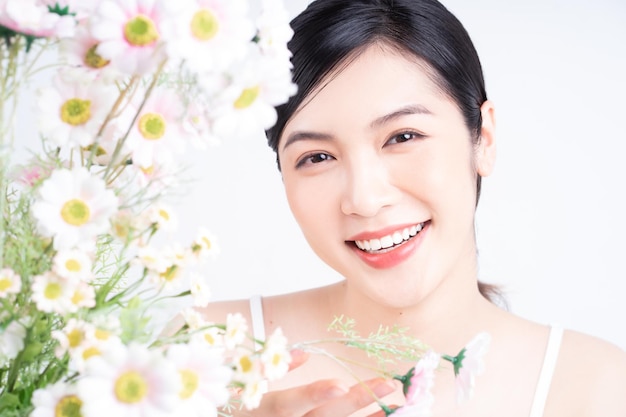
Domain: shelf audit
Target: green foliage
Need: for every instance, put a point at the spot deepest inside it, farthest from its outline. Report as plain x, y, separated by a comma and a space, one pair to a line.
387, 345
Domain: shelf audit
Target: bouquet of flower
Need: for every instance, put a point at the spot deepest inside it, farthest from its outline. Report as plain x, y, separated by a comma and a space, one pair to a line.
130, 86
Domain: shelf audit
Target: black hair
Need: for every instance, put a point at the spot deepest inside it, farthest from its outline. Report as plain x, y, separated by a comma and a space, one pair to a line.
328, 33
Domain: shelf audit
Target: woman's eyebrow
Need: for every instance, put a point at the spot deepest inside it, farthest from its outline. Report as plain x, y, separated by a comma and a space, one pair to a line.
304, 135
403, 111
379, 121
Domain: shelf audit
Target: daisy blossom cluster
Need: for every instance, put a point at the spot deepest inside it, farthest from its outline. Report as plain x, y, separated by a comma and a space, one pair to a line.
85, 250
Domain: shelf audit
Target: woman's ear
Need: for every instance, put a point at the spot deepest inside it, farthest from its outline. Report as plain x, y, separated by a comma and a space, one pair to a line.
486, 148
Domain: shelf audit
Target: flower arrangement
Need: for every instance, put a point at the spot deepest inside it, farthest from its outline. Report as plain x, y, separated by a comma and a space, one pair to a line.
130, 86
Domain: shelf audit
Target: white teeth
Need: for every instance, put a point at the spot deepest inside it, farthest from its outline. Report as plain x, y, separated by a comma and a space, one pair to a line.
389, 240
386, 242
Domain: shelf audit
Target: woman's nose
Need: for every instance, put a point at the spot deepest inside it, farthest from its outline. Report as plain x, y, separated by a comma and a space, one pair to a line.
366, 187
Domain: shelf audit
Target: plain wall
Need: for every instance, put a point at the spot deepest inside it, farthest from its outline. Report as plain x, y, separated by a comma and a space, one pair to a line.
551, 224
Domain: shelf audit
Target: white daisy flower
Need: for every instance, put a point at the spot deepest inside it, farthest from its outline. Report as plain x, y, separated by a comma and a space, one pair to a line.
57, 400
210, 34
73, 207
10, 282
129, 33
204, 378
248, 367
175, 260
72, 110
11, 341
127, 226
51, 293
30, 17
275, 356
73, 337
84, 296
95, 344
158, 134
246, 106
150, 258
163, 216
80, 51
193, 319
236, 330
129, 381
73, 264
200, 290
205, 245
252, 393
274, 30
201, 330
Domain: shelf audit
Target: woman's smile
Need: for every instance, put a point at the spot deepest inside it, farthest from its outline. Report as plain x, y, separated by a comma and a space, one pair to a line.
390, 249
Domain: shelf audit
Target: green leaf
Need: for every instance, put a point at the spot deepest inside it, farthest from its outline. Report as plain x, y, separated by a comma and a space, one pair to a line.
9, 401
32, 350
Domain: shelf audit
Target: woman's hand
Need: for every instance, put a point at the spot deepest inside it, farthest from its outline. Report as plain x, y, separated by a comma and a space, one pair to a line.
323, 398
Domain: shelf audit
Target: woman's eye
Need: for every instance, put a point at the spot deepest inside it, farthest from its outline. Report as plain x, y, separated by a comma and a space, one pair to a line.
403, 137
314, 158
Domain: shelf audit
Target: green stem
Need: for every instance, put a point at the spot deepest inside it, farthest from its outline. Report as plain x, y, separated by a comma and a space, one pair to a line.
120, 143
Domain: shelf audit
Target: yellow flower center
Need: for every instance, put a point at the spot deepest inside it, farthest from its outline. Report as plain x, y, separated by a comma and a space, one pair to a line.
72, 265
69, 406
204, 25
276, 359
209, 338
5, 284
99, 150
131, 387
93, 60
245, 363
147, 171
77, 297
52, 291
190, 383
164, 215
207, 242
76, 112
170, 273
75, 337
152, 126
90, 352
75, 212
141, 31
102, 334
247, 97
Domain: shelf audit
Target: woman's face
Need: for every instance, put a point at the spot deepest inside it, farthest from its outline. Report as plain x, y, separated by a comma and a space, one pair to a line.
380, 173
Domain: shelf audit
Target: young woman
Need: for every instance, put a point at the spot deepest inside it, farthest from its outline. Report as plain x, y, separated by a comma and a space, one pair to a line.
382, 152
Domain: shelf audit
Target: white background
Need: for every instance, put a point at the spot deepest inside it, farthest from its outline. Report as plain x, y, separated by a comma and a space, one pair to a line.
551, 224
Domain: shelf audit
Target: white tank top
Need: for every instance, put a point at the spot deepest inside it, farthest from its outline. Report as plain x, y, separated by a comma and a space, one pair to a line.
545, 376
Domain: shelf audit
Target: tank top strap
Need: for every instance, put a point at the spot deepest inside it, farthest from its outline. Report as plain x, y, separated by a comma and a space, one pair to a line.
258, 322
547, 371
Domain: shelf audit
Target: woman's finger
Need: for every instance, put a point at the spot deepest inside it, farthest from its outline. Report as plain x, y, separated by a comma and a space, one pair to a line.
359, 396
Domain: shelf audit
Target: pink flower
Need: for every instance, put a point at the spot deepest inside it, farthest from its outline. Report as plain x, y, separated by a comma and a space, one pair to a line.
469, 364
32, 17
417, 389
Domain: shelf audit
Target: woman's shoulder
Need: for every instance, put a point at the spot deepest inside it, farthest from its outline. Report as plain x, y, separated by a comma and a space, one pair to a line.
590, 377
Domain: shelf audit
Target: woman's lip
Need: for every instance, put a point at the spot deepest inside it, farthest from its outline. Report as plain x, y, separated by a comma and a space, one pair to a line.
382, 232
390, 257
